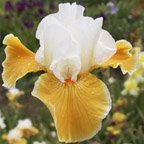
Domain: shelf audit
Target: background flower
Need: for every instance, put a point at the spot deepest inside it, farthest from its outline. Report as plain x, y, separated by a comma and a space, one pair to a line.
2, 123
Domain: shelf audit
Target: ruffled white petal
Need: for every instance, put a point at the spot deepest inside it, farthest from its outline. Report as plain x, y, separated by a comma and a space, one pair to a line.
67, 68
86, 32
61, 52
41, 30
69, 12
71, 43
105, 48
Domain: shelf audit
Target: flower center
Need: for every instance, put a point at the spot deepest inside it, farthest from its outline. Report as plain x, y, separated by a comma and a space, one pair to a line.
69, 82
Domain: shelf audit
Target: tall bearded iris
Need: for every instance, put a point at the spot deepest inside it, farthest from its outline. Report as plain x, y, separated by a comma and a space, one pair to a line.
71, 45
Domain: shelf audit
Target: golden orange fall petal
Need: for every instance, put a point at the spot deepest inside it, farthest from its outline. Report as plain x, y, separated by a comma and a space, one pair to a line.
19, 61
77, 108
125, 57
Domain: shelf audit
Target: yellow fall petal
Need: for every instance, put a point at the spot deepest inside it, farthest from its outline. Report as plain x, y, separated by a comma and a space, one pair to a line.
124, 58
19, 61
77, 108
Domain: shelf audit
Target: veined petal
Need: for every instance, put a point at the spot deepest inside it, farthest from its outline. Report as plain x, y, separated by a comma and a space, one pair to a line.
124, 57
19, 61
105, 47
77, 108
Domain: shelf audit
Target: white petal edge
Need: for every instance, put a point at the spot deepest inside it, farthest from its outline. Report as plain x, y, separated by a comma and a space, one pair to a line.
69, 12
105, 48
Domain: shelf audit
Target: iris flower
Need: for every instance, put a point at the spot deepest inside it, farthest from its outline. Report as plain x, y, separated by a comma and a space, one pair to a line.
71, 45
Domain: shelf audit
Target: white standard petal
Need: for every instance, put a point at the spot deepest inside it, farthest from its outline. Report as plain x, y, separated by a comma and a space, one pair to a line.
105, 47
86, 32
69, 12
67, 68
65, 54
71, 43
48, 20
39, 57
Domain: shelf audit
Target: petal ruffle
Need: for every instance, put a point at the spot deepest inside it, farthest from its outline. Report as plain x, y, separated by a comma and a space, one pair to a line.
124, 57
105, 47
77, 108
19, 61
86, 32
69, 12
61, 53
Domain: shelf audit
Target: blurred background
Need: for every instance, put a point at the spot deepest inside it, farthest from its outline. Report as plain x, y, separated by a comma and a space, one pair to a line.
124, 19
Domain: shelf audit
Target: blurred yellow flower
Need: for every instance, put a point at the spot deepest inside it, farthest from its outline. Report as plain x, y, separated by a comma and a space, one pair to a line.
26, 127
139, 73
120, 102
18, 105
14, 93
141, 59
23, 130
131, 85
14, 137
117, 125
71, 45
119, 117
114, 130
